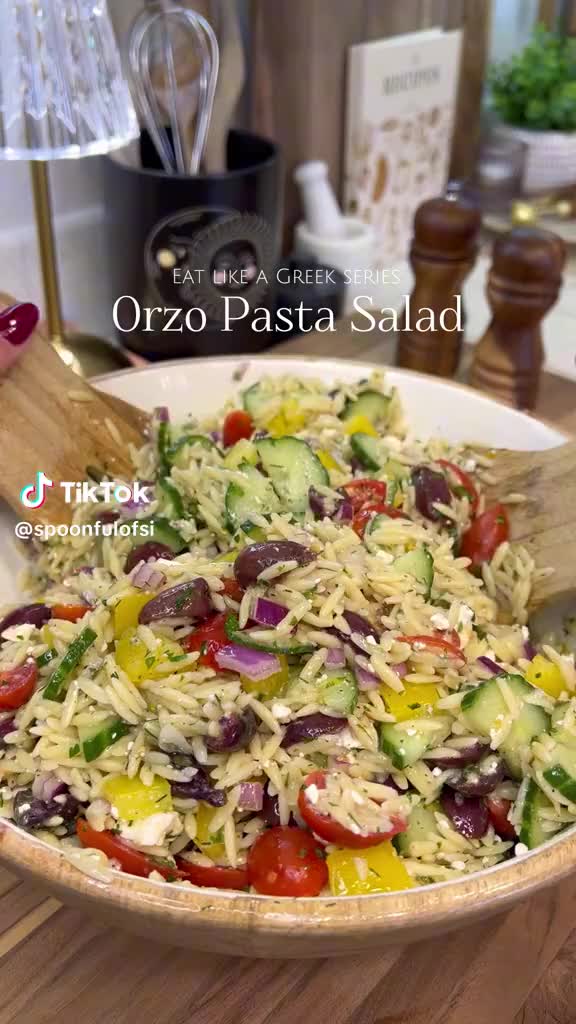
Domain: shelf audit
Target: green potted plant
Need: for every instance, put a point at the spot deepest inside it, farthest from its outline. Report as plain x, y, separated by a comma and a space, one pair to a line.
534, 96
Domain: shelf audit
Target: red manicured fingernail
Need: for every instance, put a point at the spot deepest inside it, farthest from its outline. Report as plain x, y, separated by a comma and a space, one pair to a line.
17, 322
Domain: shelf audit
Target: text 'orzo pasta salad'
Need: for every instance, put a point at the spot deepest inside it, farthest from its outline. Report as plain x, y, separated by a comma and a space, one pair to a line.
314, 678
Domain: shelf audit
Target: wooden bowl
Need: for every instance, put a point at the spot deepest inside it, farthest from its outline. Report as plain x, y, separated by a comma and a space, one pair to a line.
238, 923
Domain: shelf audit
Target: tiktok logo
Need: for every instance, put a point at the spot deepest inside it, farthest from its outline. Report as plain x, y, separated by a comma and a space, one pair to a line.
34, 495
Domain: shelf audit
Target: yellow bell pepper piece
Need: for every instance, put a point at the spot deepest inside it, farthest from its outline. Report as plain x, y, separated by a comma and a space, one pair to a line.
359, 872
273, 685
289, 420
228, 556
134, 801
127, 611
133, 656
327, 461
210, 843
413, 702
360, 425
546, 676
242, 451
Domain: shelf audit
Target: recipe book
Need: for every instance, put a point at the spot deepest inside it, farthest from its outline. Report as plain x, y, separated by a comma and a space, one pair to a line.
400, 115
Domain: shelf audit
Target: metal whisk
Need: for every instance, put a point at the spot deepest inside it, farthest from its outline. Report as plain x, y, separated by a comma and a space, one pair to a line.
150, 28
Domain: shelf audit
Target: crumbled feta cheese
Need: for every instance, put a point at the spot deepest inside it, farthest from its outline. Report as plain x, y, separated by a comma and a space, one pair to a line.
21, 632
470, 465
436, 771
525, 633
372, 640
465, 615
151, 831
361, 865
280, 711
458, 865
520, 849
385, 556
356, 797
440, 621
345, 738
312, 793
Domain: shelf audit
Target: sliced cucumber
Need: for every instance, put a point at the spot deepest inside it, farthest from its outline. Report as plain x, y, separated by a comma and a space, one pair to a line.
293, 469
419, 564
94, 740
159, 529
256, 497
485, 709
241, 636
57, 684
241, 452
422, 827
338, 691
562, 773
365, 448
180, 453
560, 734
372, 404
255, 399
172, 497
395, 473
407, 743
532, 832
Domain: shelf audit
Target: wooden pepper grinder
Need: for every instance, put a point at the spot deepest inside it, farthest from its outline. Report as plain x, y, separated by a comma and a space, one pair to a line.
442, 255
523, 284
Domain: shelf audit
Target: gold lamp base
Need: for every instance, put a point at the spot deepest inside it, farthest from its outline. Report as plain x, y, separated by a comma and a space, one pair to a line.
86, 354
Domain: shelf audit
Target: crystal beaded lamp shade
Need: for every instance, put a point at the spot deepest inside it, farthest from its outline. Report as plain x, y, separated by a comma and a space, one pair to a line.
62, 89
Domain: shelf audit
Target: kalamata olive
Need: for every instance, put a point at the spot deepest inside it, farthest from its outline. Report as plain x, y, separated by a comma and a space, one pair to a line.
255, 558
190, 600
200, 787
30, 812
358, 624
6, 726
236, 731
27, 614
430, 487
479, 779
340, 509
270, 813
467, 750
469, 815
309, 727
145, 552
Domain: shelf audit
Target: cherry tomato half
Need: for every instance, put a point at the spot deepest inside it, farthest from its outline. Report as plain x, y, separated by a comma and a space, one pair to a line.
286, 861
237, 425
208, 639
364, 515
465, 481
130, 859
485, 534
331, 830
70, 612
435, 644
365, 491
17, 685
498, 810
214, 875
233, 589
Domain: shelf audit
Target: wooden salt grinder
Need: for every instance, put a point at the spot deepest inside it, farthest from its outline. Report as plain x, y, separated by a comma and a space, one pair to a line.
523, 284
442, 255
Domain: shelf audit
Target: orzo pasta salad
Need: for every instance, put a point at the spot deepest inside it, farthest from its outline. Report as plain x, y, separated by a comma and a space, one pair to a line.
307, 672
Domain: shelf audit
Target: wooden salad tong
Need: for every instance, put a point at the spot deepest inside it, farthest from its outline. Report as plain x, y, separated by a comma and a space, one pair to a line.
54, 422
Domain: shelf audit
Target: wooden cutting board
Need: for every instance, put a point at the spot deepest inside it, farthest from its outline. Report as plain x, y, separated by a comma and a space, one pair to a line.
58, 965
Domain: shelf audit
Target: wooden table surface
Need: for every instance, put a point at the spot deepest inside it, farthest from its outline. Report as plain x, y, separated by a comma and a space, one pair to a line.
58, 965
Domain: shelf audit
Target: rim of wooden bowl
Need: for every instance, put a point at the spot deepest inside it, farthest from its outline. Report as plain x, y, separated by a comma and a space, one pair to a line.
393, 915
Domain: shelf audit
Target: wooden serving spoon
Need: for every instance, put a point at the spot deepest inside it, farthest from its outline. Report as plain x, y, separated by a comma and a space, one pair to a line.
546, 521
54, 422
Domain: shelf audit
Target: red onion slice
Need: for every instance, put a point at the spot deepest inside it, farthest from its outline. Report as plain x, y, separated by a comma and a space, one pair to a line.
335, 657
146, 577
490, 664
366, 680
251, 797
256, 665
268, 613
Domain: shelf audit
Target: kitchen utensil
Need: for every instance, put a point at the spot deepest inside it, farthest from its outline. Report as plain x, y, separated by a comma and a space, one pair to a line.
239, 923
53, 422
230, 84
152, 39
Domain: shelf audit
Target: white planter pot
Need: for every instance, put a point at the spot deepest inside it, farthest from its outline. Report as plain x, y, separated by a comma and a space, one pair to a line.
550, 158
